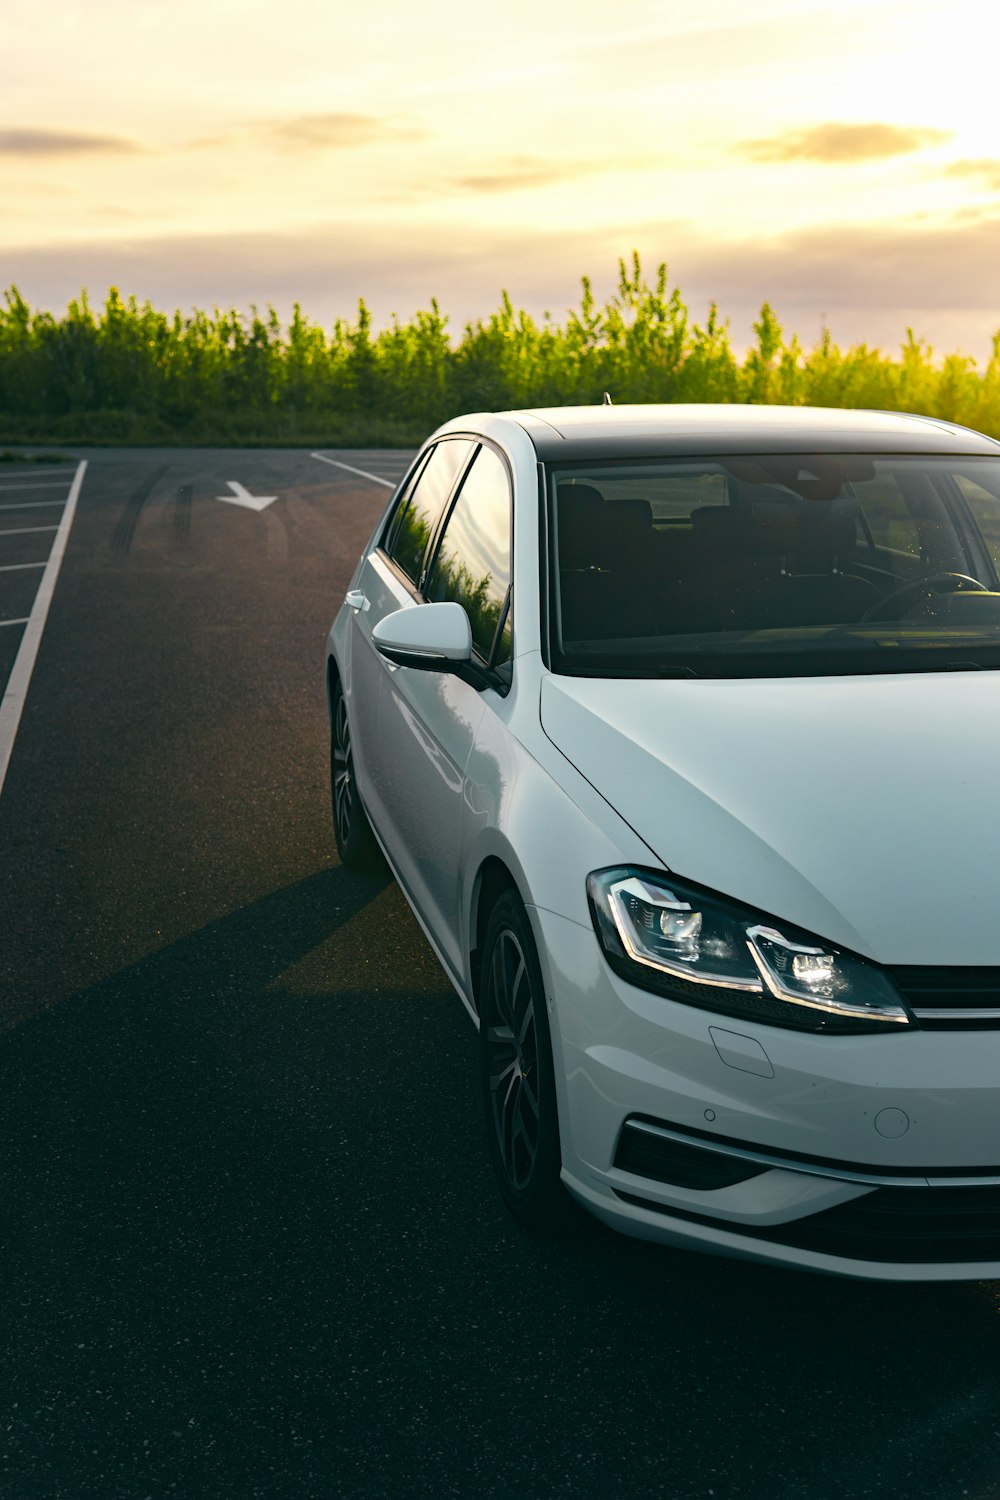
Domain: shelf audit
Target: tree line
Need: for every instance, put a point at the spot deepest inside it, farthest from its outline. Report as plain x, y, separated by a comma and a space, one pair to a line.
128, 373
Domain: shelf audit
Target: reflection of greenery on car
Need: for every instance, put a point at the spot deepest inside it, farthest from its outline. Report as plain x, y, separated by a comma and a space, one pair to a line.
452, 580
414, 534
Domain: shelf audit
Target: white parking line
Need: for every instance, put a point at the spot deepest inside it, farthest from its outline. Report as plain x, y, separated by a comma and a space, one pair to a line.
24, 530
46, 484
389, 483
35, 471
16, 567
30, 504
13, 622
19, 681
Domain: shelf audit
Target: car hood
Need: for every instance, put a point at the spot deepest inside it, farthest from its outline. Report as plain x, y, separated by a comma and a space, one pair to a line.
864, 809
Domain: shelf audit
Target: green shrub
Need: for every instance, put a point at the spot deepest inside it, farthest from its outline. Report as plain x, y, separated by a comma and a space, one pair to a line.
130, 374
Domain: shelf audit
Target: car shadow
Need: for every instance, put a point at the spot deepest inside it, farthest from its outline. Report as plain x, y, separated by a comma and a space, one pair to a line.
251, 1247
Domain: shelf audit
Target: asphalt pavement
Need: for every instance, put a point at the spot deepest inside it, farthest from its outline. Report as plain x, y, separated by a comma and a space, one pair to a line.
249, 1244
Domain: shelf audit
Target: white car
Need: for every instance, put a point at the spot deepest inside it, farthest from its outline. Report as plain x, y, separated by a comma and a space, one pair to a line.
679, 727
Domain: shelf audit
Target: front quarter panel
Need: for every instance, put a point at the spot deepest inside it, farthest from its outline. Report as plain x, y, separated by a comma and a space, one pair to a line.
528, 807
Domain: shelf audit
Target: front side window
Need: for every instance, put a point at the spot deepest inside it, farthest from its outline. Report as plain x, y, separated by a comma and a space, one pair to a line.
775, 565
412, 526
472, 563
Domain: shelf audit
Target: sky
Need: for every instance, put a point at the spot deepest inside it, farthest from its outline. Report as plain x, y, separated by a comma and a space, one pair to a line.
841, 162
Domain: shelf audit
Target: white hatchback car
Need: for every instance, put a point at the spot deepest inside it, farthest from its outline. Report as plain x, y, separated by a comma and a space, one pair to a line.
679, 727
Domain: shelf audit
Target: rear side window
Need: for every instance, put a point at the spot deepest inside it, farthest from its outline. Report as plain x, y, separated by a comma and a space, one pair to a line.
472, 564
413, 525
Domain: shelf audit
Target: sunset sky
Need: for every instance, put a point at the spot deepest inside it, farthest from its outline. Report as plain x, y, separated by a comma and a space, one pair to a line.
843, 163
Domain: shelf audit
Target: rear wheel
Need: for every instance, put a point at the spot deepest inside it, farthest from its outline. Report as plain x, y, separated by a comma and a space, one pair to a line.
356, 844
518, 1081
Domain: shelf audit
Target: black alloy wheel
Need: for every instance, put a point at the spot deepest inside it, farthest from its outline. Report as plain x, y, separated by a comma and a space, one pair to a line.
518, 1082
356, 844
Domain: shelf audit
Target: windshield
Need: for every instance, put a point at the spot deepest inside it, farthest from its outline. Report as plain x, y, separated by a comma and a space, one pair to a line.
775, 565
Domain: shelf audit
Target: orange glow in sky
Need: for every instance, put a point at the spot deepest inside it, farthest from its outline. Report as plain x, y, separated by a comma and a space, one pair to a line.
841, 162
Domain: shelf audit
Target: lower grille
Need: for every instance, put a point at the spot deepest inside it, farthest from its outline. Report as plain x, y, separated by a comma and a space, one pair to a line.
951, 999
679, 1165
909, 1226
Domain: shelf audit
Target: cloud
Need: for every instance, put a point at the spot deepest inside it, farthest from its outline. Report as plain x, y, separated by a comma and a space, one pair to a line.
525, 172
867, 284
335, 131
339, 131
30, 142
326, 267
865, 266
837, 143
986, 167
725, 40
741, 54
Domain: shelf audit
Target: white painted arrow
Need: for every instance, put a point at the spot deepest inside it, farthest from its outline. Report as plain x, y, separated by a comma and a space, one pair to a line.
241, 496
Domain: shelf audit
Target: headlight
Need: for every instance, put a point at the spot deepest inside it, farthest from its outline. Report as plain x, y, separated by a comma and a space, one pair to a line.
665, 935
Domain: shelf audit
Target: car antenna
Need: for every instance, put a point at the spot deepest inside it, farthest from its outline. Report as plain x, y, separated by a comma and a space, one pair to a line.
607, 401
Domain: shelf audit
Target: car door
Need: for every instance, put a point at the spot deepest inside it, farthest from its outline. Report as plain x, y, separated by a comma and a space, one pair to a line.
390, 579
428, 720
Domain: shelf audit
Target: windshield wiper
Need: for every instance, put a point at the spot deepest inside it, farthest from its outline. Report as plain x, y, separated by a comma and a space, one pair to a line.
676, 672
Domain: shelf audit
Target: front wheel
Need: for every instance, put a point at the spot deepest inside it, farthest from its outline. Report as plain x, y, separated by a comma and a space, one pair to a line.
356, 844
519, 1093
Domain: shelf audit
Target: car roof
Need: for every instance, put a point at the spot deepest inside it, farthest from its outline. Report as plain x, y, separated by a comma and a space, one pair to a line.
568, 433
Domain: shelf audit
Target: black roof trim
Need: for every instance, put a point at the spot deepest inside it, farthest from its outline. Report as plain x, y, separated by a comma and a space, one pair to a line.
569, 434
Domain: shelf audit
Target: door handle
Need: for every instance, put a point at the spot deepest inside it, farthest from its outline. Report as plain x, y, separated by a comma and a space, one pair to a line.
356, 599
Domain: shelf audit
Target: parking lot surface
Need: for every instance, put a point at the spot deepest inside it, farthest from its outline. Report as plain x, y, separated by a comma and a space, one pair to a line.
250, 1245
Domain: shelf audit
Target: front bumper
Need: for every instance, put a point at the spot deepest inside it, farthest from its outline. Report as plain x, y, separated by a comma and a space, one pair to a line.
874, 1155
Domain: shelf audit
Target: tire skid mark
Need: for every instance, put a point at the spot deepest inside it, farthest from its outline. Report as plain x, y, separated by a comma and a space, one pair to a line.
125, 530
277, 538
180, 527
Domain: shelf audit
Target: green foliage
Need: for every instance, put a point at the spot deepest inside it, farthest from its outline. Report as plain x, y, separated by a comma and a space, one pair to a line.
129, 374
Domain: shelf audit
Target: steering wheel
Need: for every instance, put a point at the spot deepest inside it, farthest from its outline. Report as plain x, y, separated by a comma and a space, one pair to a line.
936, 583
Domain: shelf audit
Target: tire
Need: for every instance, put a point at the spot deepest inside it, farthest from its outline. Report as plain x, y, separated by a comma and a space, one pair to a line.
356, 844
519, 1094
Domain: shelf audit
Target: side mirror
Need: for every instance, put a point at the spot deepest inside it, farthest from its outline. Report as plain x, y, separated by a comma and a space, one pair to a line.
430, 637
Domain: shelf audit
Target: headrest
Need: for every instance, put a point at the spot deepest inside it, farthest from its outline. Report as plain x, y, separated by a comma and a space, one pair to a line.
773, 505
579, 494
586, 527
771, 521
708, 520
632, 515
